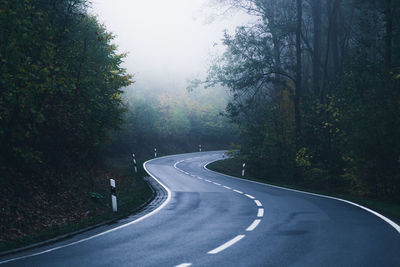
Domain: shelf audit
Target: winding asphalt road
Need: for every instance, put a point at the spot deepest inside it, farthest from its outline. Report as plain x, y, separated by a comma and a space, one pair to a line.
210, 219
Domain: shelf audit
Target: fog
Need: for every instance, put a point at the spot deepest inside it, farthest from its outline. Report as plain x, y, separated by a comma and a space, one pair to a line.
168, 42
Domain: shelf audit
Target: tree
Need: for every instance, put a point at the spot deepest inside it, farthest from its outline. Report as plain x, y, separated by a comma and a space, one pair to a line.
298, 90
60, 85
316, 14
341, 91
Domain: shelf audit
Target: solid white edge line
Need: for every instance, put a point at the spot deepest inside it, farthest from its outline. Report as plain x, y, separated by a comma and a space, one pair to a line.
110, 230
249, 196
387, 220
260, 212
186, 264
258, 203
226, 245
253, 225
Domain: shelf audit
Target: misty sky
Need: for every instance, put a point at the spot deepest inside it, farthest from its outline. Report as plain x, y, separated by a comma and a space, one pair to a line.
168, 41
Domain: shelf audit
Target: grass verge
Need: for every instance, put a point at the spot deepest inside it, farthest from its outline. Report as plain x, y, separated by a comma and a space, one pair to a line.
232, 167
95, 200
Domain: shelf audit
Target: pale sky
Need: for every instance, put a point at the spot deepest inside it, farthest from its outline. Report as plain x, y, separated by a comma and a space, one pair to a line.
168, 41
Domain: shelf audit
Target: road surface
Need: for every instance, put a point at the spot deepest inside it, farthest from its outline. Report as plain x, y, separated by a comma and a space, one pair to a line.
209, 219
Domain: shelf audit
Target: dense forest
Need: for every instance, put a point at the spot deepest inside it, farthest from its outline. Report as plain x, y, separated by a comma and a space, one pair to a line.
313, 99
173, 120
316, 92
60, 100
71, 117
60, 85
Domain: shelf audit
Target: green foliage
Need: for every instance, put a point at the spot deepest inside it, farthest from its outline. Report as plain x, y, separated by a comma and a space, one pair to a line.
303, 158
350, 103
173, 120
60, 80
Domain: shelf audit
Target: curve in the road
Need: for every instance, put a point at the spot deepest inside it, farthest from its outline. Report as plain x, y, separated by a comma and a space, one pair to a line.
260, 212
163, 204
211, 219
252, 226
387, 220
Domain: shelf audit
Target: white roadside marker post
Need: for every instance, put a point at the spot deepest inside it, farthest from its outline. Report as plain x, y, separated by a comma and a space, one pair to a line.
134, 162
244, 165
199, 148
113, 195
155, 152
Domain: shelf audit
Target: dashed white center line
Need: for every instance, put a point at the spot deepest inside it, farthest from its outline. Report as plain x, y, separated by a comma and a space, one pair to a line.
226, 245
260, 212
183, 264
249, 196
236, 239
258, 203
253, 225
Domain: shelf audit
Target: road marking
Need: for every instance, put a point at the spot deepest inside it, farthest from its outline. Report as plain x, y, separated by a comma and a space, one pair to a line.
249, 196
258, 203
207, 180
253, 225
387, 220
237, 191
227, 187
176, 164
110, 230
226, 245
260, 212
216, 183
183, 264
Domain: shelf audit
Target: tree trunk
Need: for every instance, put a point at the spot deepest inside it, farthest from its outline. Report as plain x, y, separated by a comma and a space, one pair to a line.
316, 13
298, 90
335, 39
327, 52
389, 36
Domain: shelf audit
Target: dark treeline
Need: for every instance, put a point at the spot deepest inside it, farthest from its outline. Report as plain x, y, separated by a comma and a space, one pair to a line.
316, 92
60, 83
173, 120
60, 80
66, 126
